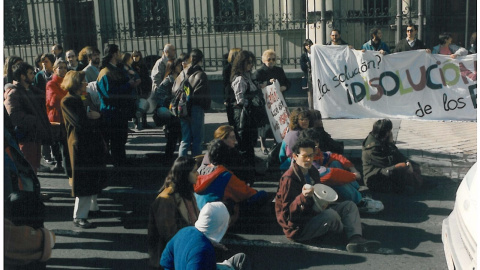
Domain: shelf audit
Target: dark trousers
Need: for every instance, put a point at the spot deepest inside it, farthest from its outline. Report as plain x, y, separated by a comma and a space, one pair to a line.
247, 135
116, 134
173, 133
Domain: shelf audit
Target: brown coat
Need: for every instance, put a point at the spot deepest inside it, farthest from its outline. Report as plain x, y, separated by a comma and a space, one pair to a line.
28, 113
86, 148
293, 210
168, 214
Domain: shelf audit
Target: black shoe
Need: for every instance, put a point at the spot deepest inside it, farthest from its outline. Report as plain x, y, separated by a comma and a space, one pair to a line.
359, 244
50, 161
83, 223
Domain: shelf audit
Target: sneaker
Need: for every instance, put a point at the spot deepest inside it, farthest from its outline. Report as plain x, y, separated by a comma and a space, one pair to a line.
359, 244
368, 205
82, 223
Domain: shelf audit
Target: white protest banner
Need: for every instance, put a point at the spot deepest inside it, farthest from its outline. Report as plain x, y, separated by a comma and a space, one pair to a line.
410, 85
277, 111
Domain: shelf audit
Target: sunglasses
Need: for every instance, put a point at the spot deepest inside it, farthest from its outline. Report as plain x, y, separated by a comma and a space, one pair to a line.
271, 59
410, 30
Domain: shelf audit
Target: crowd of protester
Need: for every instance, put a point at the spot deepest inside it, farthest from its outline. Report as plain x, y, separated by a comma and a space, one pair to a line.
73, 112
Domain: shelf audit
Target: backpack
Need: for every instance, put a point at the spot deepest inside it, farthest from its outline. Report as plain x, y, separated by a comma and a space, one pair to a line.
181, 105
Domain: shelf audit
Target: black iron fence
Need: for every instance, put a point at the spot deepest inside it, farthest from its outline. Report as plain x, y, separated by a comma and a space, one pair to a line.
214, 26
31, 27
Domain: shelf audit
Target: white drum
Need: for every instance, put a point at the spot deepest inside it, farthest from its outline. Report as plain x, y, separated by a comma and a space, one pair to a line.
324, 195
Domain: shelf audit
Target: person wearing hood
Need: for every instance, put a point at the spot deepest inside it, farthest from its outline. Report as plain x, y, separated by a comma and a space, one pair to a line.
193, 247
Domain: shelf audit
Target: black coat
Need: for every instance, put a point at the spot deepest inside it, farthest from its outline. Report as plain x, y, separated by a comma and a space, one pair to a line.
264, 74
86, 147
403, 46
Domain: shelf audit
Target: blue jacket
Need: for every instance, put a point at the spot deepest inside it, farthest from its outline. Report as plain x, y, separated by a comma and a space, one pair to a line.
189, 249
383, 46
454, 49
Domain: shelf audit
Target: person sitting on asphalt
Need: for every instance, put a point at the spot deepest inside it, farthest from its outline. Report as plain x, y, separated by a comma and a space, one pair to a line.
294, 205
217, 183
173, 209
385, 169
234, 163
326, 142
299, 120
193, 247
339, 173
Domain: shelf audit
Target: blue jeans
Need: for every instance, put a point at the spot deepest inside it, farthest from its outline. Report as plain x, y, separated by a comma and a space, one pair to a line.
192, 132
347, 192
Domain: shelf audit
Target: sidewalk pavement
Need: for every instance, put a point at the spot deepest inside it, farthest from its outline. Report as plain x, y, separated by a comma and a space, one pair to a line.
409, 227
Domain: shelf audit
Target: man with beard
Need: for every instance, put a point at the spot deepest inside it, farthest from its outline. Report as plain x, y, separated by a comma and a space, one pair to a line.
376, 43
25, 105
91, 71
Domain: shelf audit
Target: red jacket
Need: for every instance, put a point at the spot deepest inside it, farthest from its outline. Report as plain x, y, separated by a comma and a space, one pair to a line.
55, 94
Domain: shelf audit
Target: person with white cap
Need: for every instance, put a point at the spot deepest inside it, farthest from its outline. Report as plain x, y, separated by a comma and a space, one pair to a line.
294, 205
193, 247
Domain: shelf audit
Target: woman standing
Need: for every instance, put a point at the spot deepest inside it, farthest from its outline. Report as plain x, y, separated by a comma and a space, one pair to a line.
161, 115
228, 95
145, 87
200, 100
141, 103
54, 96
267, 75
85, 145
174, 208
249, 102
306, 66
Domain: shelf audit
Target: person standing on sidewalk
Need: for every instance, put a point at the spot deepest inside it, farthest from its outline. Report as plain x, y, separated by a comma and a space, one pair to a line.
25, 105
115, 91
294, 205
54, 96
86, 148
200, 100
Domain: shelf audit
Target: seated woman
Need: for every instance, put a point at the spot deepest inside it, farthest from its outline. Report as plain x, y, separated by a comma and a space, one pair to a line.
217, 183
326, 141
299, 120
173, 209
339, 173
234, 161
385, 169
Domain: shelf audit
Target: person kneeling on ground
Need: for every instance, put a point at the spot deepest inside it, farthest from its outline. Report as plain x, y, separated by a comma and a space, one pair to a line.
339, 173
294, 205
385, 169
193, 247
217, 183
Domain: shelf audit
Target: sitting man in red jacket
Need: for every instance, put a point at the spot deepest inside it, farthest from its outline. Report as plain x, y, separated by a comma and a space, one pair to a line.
294, 205
217, 183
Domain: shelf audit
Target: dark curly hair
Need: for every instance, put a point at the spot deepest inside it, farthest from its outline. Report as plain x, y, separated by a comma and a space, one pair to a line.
240, 62
218, 152
295, 115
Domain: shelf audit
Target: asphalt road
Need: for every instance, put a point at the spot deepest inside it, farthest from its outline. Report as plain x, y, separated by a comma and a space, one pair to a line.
409, 227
